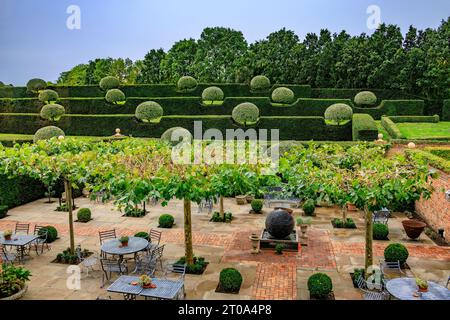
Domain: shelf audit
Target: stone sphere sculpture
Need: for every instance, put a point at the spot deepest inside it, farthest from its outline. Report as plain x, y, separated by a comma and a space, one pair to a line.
280, 224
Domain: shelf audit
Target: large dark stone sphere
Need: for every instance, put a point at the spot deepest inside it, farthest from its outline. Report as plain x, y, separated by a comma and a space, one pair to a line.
280, 224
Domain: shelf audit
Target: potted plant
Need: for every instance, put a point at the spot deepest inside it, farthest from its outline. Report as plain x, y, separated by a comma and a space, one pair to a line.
124, 241
13, 282
304, 223
422, 285
413, 228
241, 200
7, 235
146, 282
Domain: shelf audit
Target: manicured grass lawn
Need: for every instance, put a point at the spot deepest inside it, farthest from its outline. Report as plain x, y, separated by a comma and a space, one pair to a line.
425, 130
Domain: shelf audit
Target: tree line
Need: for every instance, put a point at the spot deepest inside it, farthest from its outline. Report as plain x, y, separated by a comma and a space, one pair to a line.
417, 62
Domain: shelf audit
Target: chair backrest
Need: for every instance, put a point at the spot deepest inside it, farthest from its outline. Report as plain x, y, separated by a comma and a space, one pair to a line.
176, 268
362, 284
390, 265
157, 253
37, 228
107, 235
155, 236
107, 263
22, 228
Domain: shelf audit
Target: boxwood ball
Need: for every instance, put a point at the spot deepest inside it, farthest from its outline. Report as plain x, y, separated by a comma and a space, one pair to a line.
280, 224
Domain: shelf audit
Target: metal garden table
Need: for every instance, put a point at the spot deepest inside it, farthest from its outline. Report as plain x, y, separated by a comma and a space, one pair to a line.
20, 241
165, 289
404, 289
114, 247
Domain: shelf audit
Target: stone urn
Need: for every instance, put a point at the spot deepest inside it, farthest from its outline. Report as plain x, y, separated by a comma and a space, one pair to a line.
249, 198
280, 224
303, 229
241, 200
413, 228
255, 243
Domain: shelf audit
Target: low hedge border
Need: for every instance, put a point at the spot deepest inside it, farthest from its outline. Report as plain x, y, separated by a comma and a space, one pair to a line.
416, 119
442, 152
429, 158
391, 128
364, 128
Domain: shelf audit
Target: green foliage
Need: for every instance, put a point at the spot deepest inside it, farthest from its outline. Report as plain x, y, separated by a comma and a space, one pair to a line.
115, 96
338, 113
12, 280
166, 221
197, 268
48, 96
84, 215
279, 248
67, 257
365, 99
260, 83
19, 190
396, 252
1, 84
230, 280
446, 110
52, 112
380, 231
364, 128
283, 95
443, 151
3, 211
108, 83
52, 233
320, 286
134, 212
46, 133
212, 94
149, 111
429, 158
391, 128
228, 217
426, 119
176, 135
309, 206
340, 224
187, 83
257, 205
246, 114
142, 234
36, 85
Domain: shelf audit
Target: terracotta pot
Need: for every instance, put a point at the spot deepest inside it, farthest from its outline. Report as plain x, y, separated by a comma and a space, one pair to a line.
147, 286
8, 238
124, 244
241, 200
413, 228
423, 289
351, 207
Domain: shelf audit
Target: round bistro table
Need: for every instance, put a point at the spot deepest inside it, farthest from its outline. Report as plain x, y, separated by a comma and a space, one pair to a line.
404, 289
114, 247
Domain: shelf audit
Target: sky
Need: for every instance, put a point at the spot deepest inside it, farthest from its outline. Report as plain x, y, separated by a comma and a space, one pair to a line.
36, 42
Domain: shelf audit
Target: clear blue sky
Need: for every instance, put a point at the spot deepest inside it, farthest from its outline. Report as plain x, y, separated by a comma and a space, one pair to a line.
35, 42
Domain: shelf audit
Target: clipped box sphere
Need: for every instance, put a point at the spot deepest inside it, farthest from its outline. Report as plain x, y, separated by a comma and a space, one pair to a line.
283, 95
36, 85
245, 113
338, 113
108, 83
259, 83
176, 135
48, 96
187, 83
115, 96
149, 111
52, 112
365, 98
213, 94
46, 133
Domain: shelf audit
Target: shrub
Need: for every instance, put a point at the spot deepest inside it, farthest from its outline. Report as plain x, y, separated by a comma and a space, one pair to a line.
143, 235
52, 112
338, 113
197, 268
320, 285
421, 119
166, 221
283, 95
309, 207
279, 248
48, 96
134, 212
365, 98
36, 85
391, 128
115, 96
187, 83
260, 83
230, 280
84, 215
108, 83
46, 133
212, 94
52, 233
380, 231
257, 205
3, 211
396, 252
176, 135
364, 127
228, 217
246, 113
149, 111
2, 84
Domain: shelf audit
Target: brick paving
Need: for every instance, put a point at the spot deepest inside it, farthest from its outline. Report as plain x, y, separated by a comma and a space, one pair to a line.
319, 253
275, 281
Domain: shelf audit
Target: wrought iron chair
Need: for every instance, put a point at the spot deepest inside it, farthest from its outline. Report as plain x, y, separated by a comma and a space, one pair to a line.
87, 262
391, 270
206, 204
180, 270
105, 236
154, 238
109, 267
7, 257
375, 295
42, 232
146, 263
22, 228
448, 282
158, 255
381, 216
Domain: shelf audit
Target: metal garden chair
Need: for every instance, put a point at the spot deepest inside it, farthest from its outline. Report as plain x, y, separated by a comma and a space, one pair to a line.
381, 216
375, 295
154, 238
88, 263
105, 236
180, 270
7, 257
391, 270
109, 267
22, 228
42, 232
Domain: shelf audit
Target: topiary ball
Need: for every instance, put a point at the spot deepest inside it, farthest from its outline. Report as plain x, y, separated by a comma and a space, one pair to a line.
212, 94
52, 112
166, 221
246, 113
149, 111
48, 96
320, 286
257, 205
339, 113
230, 280
84, 215
309, 207
283, 95
36, 85
365, 98
280, 224
396, 252
176, 135
108, 83
187, 83
46, 133
260, 83
115, 96
380, 231
52, 233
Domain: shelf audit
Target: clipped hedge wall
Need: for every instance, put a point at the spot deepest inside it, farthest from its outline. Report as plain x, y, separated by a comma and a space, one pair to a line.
20, 190
394, 108
364, 128
401, 119
431, 159
391, 128
446, 110
443, 152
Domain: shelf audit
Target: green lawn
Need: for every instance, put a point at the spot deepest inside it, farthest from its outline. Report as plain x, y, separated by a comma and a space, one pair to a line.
425, 130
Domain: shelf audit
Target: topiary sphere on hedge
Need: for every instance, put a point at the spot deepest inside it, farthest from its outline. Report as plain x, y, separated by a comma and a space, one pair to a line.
52, 112
246, 113
176, 135
149, 111
280, 224
46, 133
48, 96
36, 85
366, 98
338, 113
187, 83
283, 95
115, 96
212, 94
108, 83
260, 83
320, 285
230, 280
396, 252
84, 215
